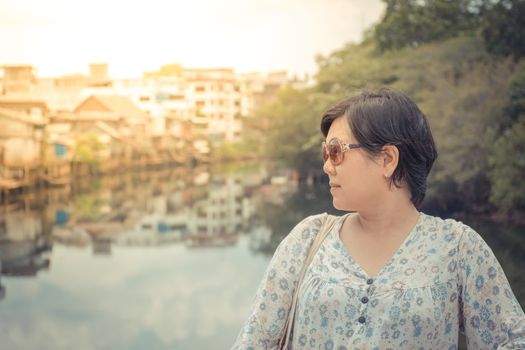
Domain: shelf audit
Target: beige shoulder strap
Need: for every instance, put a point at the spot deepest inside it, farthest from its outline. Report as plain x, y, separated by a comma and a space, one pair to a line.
326, 227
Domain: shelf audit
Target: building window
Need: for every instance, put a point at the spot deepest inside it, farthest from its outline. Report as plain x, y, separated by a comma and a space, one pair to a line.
201, 213
60, 150
175, 97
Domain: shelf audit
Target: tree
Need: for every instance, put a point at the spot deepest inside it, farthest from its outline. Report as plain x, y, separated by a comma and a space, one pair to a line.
507, 157
414, 22
508, 167
292, 133
503, 28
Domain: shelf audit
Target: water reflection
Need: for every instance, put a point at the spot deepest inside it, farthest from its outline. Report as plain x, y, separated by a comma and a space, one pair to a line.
190, 207
132, 261
280, 216
23, 247
161, 260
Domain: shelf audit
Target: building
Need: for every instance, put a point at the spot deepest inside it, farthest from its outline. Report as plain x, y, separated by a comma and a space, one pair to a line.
189, 108
260, 88
118, 111
215, 95
110, 132
63, 93
23, 128
98, 74
18, 81
59, 150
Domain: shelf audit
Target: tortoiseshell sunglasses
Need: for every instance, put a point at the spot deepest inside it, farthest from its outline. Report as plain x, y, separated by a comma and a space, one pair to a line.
335, 150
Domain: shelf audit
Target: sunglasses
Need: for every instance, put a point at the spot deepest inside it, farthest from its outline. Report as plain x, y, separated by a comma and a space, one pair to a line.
335, 150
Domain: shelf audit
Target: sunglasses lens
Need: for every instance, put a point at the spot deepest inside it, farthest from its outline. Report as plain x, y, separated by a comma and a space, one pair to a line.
335, 152
324, 152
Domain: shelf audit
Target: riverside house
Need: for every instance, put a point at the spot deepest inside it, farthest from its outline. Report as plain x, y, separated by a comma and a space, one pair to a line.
21, 138
111, 133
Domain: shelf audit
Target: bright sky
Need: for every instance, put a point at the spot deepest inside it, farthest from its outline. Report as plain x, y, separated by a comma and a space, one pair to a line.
63, 36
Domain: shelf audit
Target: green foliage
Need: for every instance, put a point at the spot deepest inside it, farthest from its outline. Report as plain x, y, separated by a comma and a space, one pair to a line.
462, 92
228, 151
89, 205
290, 128
88, 146
411, 23
415, 22
503, 28
472, 99
508, 167
516, 106
353, 68
507, 156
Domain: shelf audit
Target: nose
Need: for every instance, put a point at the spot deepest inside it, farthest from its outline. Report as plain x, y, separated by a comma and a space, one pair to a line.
328, 167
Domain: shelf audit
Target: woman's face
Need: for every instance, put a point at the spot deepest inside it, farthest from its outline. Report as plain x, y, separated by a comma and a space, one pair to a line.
357, 182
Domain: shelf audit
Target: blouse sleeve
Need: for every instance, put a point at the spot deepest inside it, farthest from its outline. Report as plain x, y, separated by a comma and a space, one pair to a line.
266, 320
490, 315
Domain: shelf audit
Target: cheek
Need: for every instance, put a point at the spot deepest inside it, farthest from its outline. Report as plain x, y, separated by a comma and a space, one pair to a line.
364, 178
361, 182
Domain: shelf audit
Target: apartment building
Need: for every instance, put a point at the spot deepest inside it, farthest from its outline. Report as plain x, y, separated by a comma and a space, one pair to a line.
18, 81
215, 94
195, 106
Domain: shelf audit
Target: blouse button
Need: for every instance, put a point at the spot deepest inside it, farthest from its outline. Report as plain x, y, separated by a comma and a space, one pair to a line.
361, 319
364, 300
369, 281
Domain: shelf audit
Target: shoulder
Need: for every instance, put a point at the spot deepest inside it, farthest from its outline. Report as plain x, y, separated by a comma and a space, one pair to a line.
307, 228
297, 242
305, 231
455, 232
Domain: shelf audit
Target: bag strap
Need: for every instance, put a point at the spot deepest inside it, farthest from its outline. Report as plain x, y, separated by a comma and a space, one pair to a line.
326, 227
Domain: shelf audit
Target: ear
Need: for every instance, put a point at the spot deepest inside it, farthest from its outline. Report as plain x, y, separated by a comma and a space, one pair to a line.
390, 159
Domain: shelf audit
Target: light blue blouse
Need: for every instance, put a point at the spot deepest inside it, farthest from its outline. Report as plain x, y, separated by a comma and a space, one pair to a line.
442, 279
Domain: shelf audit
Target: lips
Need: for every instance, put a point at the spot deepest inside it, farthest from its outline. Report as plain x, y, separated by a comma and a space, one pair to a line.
333, 185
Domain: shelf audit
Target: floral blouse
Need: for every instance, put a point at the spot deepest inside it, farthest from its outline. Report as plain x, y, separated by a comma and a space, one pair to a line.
443, 278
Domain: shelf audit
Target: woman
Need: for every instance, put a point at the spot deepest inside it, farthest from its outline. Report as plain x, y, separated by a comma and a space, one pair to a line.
387, 276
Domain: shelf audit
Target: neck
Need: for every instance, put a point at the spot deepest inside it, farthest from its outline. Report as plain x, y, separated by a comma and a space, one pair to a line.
393, 213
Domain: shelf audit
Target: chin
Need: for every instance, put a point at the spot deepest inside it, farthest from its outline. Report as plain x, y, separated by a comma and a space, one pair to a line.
342, 205
338, 205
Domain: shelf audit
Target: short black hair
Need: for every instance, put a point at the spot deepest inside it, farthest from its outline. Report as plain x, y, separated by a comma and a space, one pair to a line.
388, 117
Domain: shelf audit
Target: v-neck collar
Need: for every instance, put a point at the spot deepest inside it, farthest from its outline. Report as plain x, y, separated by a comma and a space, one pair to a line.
410, 236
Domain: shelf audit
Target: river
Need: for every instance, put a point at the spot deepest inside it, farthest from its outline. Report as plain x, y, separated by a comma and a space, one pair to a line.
159, 260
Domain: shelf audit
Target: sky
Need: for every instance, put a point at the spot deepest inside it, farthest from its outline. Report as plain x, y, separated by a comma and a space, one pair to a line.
60, 37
